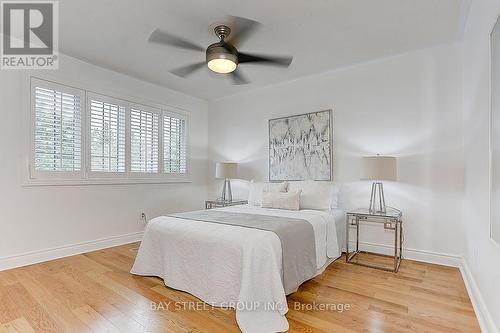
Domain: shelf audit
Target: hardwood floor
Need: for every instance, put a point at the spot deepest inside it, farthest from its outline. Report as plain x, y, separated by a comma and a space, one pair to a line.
95, 292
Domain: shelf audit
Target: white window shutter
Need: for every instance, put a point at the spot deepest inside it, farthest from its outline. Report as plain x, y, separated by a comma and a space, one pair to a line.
80, 137
57, 128
174, 144
107, 135
144, 141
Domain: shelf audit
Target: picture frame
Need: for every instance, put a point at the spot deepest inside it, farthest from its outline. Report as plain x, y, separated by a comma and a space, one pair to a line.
301, 147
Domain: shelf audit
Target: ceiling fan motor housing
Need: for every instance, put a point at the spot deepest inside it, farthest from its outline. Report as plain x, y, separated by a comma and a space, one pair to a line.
221, 50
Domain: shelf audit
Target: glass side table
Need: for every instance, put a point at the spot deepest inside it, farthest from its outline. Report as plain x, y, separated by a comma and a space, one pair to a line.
391, 220
209, 204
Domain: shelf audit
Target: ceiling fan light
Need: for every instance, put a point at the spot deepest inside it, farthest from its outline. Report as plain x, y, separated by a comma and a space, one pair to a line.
221, 65
222, 58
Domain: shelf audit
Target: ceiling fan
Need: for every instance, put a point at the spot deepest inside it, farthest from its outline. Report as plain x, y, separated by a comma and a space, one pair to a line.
222, 57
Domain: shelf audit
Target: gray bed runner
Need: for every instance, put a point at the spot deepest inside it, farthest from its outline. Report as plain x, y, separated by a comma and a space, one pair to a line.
296, 236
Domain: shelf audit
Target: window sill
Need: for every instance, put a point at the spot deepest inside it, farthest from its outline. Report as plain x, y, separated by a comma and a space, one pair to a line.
103, 181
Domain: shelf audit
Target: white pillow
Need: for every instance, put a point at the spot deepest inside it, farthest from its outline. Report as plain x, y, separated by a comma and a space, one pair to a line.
316, 194
275, 187
281, 200
256, 189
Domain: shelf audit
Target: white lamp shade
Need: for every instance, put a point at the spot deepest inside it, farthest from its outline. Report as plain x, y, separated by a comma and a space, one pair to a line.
380, 168
226, 170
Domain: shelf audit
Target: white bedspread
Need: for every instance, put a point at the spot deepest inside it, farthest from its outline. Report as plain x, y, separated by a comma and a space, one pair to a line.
231, 266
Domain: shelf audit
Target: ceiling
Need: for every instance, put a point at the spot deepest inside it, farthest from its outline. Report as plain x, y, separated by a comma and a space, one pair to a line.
321, 35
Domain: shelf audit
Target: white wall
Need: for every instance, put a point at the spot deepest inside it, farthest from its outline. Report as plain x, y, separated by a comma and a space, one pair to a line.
44, 217
481, 253
408, 106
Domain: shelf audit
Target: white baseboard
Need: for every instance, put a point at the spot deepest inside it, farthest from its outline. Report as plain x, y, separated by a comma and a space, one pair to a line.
412, 254
67, 250
483, 315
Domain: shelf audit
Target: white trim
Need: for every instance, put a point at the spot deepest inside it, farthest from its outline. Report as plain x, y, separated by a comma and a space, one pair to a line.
412, 254
483, 316
105, 181
34, 257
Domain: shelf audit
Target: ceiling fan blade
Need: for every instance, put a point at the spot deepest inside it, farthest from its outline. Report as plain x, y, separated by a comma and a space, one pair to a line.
188, 69
264, 59
239, 78
241, 29
161, 37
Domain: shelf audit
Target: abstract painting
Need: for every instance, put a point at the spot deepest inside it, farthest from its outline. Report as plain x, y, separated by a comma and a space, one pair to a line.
300, 147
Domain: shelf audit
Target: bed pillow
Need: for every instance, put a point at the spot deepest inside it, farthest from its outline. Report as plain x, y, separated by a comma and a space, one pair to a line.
256, 190
316, 194
281, 200
275, 187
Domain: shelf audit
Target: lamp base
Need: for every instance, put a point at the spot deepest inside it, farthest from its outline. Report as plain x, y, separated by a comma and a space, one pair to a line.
377, 199
227, 195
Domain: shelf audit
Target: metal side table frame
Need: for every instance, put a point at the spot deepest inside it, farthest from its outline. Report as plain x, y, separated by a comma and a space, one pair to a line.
392, 220
210, 204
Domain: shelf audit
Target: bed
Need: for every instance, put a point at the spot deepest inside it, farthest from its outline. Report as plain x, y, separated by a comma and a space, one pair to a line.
233, 266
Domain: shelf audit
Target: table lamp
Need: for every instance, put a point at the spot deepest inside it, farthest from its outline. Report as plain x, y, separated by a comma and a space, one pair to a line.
226, 171
379, 168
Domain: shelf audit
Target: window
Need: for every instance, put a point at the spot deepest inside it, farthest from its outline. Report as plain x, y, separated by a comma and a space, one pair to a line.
107, 134
144, 141
174, 144
57, 137
83, 137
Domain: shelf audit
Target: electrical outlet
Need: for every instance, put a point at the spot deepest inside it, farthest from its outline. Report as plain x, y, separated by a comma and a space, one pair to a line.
144, 218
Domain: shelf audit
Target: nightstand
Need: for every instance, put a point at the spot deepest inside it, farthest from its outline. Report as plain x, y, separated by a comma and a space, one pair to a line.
209, 204
392, 219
